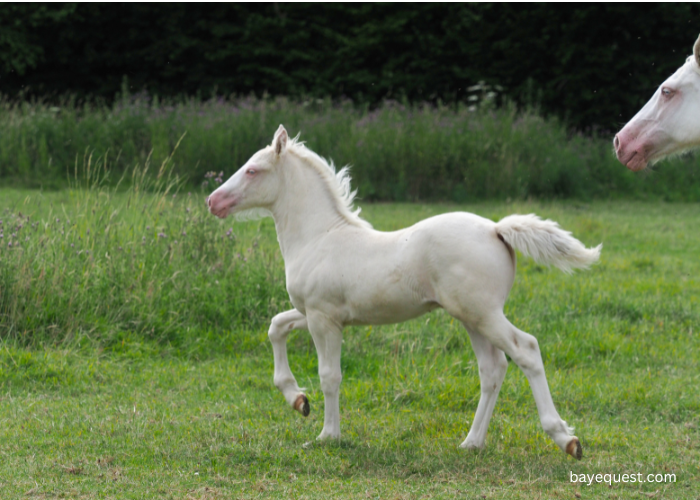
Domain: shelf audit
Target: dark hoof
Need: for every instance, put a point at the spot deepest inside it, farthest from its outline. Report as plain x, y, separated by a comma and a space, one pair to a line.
574, 449
302, 406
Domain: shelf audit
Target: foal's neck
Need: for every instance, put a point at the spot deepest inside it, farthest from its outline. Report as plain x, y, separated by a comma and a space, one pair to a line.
305, 209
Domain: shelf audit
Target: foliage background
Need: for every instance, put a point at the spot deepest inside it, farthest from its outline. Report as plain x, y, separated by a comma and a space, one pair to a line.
591, 64
397, 152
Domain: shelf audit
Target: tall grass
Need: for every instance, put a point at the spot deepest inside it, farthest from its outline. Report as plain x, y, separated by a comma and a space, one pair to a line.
102, 263
399, 153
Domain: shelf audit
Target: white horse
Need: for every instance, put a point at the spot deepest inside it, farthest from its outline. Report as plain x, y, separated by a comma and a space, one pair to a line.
668, 124
342, 272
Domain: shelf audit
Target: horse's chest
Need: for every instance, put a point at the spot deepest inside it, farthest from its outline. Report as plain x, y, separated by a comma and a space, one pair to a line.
296, 297
316, 286
299, 289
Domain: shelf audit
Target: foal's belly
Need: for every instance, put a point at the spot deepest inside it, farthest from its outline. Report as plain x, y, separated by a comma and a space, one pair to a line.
388, 315
398, 295
366, 305
365, 295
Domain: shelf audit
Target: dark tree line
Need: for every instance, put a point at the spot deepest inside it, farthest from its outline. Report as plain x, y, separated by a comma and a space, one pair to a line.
593, 64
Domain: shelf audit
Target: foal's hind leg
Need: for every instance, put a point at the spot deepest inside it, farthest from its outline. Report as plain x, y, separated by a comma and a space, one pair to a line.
280, 327
525, 352
492, 370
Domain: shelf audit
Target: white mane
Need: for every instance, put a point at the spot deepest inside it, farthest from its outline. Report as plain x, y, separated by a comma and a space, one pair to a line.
338, 182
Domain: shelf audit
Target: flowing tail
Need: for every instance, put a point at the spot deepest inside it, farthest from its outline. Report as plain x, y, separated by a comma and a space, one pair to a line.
546, 242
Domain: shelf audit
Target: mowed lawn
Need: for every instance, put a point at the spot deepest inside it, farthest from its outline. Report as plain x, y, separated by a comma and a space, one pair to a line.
141, 417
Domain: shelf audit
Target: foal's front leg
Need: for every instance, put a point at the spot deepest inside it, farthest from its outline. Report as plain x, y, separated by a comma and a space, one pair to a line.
328, 337
280, 327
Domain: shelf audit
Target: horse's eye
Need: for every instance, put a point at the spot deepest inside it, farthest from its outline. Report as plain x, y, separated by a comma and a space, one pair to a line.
251, 171
666, 92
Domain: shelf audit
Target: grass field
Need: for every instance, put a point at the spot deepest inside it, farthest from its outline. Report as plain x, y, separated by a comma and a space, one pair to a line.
132, 366
398, 152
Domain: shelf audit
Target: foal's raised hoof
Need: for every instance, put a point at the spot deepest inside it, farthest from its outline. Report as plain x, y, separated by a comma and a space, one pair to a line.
574, 449
302, 405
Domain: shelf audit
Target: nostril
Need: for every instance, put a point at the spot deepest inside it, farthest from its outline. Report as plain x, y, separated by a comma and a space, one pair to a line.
616, 143
209, 201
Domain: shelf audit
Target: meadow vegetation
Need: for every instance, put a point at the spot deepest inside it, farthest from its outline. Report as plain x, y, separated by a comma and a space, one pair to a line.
134, 360
458, 153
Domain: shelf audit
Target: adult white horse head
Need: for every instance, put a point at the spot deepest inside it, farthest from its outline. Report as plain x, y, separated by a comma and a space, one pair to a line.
668, 124
342, 272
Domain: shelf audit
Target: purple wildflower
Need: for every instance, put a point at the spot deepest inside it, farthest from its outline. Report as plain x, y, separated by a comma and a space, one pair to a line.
162, 235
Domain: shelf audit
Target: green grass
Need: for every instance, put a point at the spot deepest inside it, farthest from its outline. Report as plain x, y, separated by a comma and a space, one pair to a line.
132, 373
398, 153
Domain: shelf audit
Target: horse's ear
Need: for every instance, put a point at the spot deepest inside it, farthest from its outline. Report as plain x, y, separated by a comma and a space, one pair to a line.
696, 51
279, 143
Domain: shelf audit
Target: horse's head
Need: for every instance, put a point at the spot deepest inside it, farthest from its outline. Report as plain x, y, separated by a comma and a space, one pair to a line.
256, 184
669, 123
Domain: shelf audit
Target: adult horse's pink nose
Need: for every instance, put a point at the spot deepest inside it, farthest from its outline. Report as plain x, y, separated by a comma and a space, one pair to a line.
621, 144
616, 143
630, 150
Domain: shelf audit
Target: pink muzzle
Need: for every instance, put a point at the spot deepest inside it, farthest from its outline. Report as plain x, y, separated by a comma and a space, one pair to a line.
631, 152
220, 204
